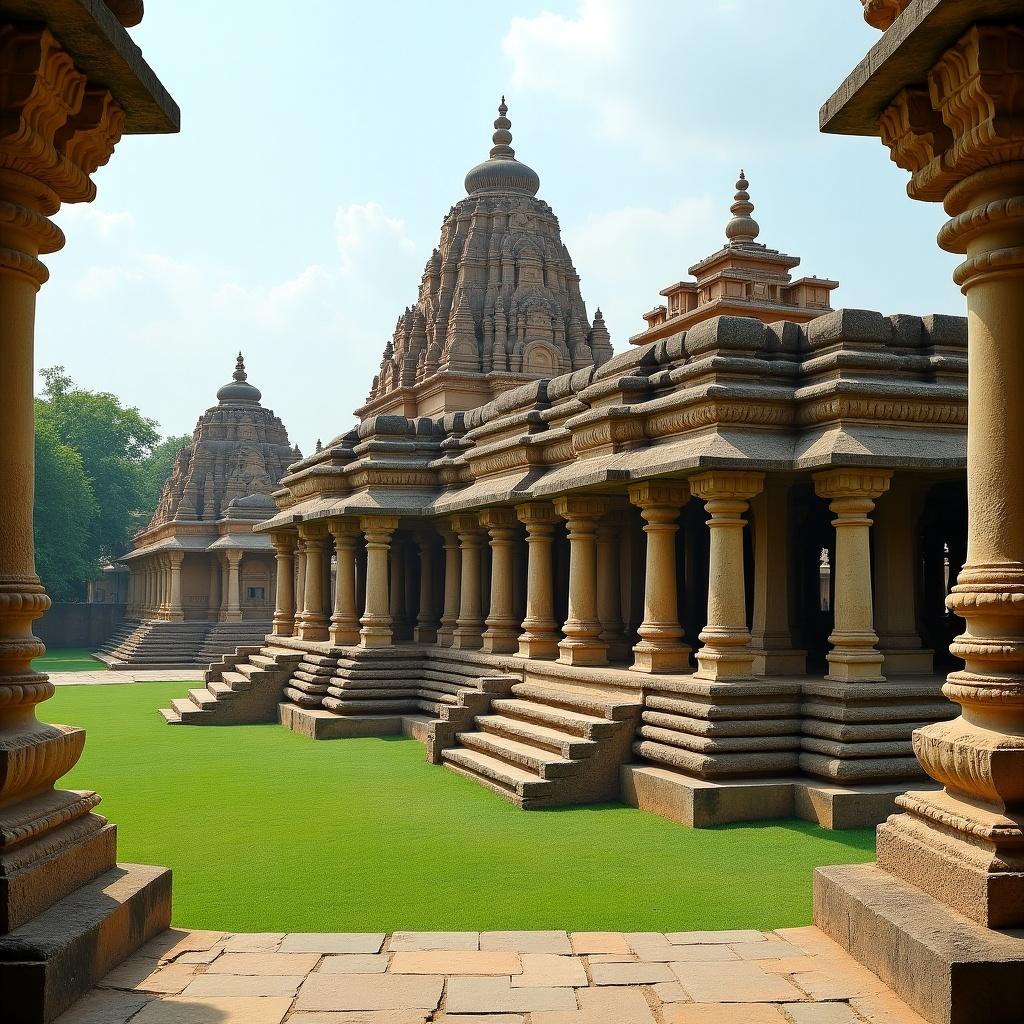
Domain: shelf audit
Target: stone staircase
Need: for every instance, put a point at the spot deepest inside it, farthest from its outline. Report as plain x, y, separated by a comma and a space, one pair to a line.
549, 744
241, 688
153, 643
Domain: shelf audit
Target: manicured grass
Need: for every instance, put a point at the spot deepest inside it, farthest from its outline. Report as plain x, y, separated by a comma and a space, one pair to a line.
68, 659
267, 831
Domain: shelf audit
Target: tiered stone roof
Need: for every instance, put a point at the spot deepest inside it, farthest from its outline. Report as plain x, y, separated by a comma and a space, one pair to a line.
499, 301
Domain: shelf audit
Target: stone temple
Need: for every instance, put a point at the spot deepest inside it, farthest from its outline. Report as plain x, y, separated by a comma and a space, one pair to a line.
580, 577
201, 582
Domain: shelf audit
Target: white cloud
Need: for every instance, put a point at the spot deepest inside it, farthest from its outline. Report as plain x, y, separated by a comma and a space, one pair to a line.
79, 216
625, 256
170, 327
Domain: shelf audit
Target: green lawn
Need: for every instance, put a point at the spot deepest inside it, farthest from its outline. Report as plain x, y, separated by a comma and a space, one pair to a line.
267, 831
68, 659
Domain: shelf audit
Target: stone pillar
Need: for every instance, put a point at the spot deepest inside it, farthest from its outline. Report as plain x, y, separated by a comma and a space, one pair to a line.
771, 637
851, 494
300, 580
175, 610
470, 622
284, 601
582, 644
609, 584
313, 622
232, 604
726, 653
502, 633
396, 592
426, 619
896, 558
376, 620
661, 647
954, 121
452, 586
539, 638
344, 631
213, 601
56, 128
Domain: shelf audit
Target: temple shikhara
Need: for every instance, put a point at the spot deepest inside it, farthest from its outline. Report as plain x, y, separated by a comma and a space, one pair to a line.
578, 576
201, 582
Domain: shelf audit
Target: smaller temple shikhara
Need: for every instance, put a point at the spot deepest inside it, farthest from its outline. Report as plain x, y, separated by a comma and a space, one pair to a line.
201, 582
580, 576
743, 278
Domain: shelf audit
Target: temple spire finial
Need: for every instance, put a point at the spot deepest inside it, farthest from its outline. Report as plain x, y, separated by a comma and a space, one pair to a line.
502, 138
742, 229
239, 373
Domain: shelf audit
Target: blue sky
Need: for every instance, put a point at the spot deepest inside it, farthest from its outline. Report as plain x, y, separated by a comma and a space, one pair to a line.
323, 142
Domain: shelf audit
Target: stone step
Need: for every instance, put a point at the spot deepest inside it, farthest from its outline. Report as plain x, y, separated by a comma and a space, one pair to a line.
220, 689
515, 780
565, 743
202, 697
171, 717
586, 726
367, 707
521, 755
612, 708
185, 707
236, 680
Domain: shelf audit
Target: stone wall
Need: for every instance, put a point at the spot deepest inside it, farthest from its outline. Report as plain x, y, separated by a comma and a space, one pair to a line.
67, 624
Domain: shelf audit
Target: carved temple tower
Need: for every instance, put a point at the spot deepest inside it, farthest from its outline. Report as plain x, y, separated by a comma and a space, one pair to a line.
499, 302
201, 582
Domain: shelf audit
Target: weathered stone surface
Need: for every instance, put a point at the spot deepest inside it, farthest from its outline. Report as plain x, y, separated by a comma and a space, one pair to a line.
526, 942
264, 963
332, 942
369, 992
457, 961
405, 941
733, 982
482, 995
630, 974
550, 970
215, 1010
599, 1006
218, 985
354, 963
104, 1006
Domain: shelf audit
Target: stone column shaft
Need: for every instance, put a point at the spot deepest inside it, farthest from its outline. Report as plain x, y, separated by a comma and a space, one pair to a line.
726, 653
233, 606
376, 620
851, 494
452, 586
661, 648
344, 629
539, 638
609, 589
502, 633
582, 644
313, 623
469, 625
284, 594
175, 610
426, 619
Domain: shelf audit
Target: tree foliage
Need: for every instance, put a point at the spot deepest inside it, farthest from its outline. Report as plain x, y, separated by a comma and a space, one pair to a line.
97, 463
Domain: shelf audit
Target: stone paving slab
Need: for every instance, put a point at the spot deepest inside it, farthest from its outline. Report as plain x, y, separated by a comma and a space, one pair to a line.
105, 676
792, 976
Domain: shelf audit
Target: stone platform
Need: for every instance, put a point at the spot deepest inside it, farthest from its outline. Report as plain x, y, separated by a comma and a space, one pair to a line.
789, 976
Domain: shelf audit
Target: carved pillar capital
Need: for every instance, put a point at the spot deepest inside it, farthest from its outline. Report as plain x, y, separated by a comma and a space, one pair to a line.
881, 14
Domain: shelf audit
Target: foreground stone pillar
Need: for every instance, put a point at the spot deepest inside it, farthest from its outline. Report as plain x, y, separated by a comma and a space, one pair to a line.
426, 617
726, 653
452, 586
396, 594
344, 630
851, 495
213, 599
502, 633
284, 596
661, 647
896, 559
313, 621
470, 623
376, 620
582, 644
951, 115
771, 637
232, 602
539, 638
56, 128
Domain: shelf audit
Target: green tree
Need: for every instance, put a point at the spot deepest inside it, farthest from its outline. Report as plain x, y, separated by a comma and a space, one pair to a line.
64, 508
113, 442
157, 468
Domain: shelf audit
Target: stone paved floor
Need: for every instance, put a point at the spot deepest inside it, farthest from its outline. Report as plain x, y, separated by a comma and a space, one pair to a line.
101, 675
790, 976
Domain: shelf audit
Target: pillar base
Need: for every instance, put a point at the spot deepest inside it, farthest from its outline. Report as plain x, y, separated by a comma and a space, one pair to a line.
545, 648
582, 652
964, 869
467, 639
445, 636
854, 667
906, 661
949, 969
778, 661
425, 635
373, 637
494, 642
724, 665
57, 957
661, 658
315, 634
347, 637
